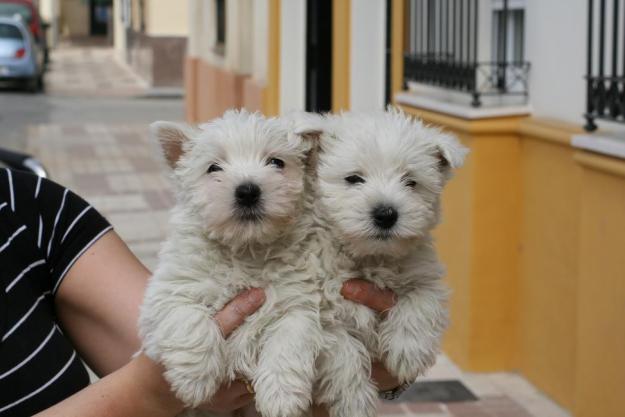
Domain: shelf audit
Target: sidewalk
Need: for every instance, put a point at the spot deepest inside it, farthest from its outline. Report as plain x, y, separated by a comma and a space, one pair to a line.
90, 72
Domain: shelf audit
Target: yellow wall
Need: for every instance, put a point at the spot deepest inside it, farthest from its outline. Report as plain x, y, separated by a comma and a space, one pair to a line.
533, 236
167, 18
478, 242
601, 291
549, 250
340, 54
271, 97
74, 18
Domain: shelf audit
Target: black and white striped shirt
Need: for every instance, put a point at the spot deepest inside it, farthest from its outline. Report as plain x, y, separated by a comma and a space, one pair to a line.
44, 228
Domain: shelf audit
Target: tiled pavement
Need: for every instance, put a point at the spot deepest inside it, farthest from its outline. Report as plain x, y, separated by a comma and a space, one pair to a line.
92, 71
118, 170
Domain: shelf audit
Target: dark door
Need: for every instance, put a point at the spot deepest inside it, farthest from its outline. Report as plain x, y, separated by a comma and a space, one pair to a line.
98, 16
387, 57
319, 55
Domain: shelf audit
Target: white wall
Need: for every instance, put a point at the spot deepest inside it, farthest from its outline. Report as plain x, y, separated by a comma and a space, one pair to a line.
119, 30
167, 18
367, 71
238, 54
260, 41
555, 35
292, 55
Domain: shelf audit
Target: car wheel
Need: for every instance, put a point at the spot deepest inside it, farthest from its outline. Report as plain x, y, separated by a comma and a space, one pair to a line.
35, 84
32, 85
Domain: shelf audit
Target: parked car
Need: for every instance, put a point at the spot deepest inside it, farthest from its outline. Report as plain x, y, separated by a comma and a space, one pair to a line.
28, 10
21, 59
21, 162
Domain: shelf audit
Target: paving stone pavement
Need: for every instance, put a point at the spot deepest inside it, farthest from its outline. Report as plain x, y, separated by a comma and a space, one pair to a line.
88, 70
118, 170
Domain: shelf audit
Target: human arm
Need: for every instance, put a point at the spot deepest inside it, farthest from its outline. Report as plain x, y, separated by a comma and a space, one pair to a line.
98, 306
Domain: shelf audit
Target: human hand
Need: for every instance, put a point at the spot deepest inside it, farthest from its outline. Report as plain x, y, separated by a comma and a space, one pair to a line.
235, 394
366, 293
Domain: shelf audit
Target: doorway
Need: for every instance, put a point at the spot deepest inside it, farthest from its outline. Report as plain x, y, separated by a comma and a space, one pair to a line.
318, 55
99, 17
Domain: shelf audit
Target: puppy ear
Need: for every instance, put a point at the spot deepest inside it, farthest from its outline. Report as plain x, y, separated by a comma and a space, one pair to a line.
308, 126
451, 152
172, 137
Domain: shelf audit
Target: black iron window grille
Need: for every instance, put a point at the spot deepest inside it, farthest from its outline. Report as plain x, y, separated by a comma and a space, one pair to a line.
605, 77
442, 49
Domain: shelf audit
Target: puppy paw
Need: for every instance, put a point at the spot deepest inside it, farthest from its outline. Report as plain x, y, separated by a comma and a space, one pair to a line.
282, 395
361, 402
190, 387
409, 360
195, 370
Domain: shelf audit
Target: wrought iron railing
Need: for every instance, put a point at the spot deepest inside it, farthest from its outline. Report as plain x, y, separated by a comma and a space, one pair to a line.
442, 51
605, 77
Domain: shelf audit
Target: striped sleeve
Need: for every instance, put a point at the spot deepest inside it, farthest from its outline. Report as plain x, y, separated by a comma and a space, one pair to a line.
66, 225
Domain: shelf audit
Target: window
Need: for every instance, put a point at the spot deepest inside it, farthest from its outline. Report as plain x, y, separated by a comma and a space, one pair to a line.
508, 31
12, 9
605, 73
443, 42
8, 31
507, 43
220, 15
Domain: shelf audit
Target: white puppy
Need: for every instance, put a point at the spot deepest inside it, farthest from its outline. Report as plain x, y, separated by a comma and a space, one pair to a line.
380, 180
242, 219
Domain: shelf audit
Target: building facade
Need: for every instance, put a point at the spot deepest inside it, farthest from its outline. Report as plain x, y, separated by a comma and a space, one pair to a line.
533, 228
151, 37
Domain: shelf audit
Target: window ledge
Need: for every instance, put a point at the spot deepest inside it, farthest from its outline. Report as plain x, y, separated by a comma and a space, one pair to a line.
459, 110
601, 143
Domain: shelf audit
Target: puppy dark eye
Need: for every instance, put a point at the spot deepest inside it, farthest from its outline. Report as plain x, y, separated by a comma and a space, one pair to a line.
214, 168
411, 183
278, 163
354, 179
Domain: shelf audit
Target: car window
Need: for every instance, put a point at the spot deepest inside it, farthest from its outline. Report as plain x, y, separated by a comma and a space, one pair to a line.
9, 31
10, 9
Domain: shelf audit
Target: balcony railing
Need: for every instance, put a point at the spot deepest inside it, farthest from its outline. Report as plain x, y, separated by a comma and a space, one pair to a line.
442, 51
605, 94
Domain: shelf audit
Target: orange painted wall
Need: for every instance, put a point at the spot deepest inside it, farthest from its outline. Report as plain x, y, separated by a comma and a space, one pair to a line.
549, 252
190, 88
601, 292
210, 91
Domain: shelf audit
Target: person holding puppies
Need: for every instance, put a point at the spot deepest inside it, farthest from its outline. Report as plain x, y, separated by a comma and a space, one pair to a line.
71, 290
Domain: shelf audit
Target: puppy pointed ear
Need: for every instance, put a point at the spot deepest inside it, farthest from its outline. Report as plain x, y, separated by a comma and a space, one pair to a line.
451, 152
308, 126
172, 138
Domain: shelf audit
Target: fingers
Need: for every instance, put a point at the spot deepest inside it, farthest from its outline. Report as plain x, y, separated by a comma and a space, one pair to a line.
241, 306
229, 397
383, 378
366, 293
319, 411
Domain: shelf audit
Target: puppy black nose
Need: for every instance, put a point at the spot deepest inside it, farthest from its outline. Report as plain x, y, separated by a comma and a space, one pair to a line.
247, 194
384, 216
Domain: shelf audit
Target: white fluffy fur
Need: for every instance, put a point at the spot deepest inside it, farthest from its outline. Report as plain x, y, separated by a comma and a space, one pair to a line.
212, 254
388, 150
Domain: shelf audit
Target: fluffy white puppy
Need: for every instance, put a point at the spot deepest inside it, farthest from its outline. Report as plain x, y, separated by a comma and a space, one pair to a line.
380, 181
242, 219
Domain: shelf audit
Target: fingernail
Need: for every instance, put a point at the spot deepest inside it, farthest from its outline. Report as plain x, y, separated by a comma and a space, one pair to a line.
256, 296
350, 289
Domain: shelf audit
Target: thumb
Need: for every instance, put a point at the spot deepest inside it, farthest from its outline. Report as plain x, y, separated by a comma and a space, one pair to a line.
238, 309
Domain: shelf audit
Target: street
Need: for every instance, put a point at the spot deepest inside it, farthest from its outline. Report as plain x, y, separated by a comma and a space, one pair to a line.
90, 129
